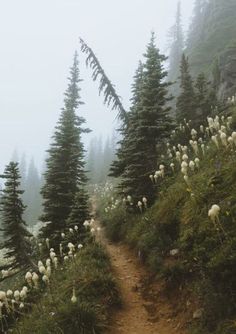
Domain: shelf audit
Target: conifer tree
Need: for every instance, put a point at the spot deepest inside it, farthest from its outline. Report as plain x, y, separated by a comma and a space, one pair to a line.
148, 125
177, 46
185, 106
80, 210
15, 235
65, 165
196, 31
91, 160
99, 160
205, 98
118, 165
32, 197
23, 168
107, 159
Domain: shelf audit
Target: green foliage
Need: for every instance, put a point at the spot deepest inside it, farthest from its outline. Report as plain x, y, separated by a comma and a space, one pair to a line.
119, 165
176, 50
64, 176
16, 237
105, 86
115, 224
148, 125
211, 32
99, 158
79, 211
186, 105
175, 274
205, 262
96, 293
31, 196
205, 98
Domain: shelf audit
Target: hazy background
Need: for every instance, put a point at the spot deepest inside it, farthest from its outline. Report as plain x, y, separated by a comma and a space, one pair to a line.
38, 40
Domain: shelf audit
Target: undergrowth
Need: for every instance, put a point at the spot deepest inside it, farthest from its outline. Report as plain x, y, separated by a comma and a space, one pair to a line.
90, 275
205, 260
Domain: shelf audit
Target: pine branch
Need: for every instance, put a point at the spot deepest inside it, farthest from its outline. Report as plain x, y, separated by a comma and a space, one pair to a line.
105, 85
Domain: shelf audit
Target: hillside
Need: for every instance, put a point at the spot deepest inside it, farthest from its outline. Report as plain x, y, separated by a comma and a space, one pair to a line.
62, 294
141, 237
187, 238
211, 43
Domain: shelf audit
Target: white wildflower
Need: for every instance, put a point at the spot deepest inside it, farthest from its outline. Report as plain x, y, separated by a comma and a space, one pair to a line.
35, 279
192, 165
215, 141
16, 295
47, 243
73, 298
197, 162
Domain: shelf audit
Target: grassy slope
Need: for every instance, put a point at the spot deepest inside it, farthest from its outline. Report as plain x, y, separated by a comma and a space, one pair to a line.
206, 264
90, 275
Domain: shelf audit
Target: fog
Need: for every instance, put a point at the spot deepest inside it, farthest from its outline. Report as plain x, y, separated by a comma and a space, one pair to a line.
38, 40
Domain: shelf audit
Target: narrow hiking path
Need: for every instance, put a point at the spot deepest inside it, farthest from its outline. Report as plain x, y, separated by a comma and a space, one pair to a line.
145, 308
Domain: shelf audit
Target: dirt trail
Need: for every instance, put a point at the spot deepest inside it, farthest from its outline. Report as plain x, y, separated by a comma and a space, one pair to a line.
145, 310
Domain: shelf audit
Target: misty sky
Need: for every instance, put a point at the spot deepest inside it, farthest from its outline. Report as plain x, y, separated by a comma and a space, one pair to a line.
38, 40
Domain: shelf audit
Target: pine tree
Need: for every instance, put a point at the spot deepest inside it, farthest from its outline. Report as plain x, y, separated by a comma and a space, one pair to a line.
119, 164
99, 161
148, 125
205, 98
16, 237
177, 46
65, 165
23, 168
185, 106
91, 160
196, 31
32, 197
111, 98
80, 211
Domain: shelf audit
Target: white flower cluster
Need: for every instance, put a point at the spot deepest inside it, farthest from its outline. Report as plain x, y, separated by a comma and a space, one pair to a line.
142, 204
15, 301
231, 100
114, 204
218, 131
90, 224
103, 191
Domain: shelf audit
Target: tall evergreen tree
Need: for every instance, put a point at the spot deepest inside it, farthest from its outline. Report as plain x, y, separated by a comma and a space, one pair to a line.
205, 98
196, 30
91, 160
185, 106
23, 168
16, 237
32, 197
99, 159
65, 164
119, 164
107, 159
80, 210
149, 124
176, 47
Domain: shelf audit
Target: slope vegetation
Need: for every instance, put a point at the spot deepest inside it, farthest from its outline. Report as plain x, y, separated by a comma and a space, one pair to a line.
188, 237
